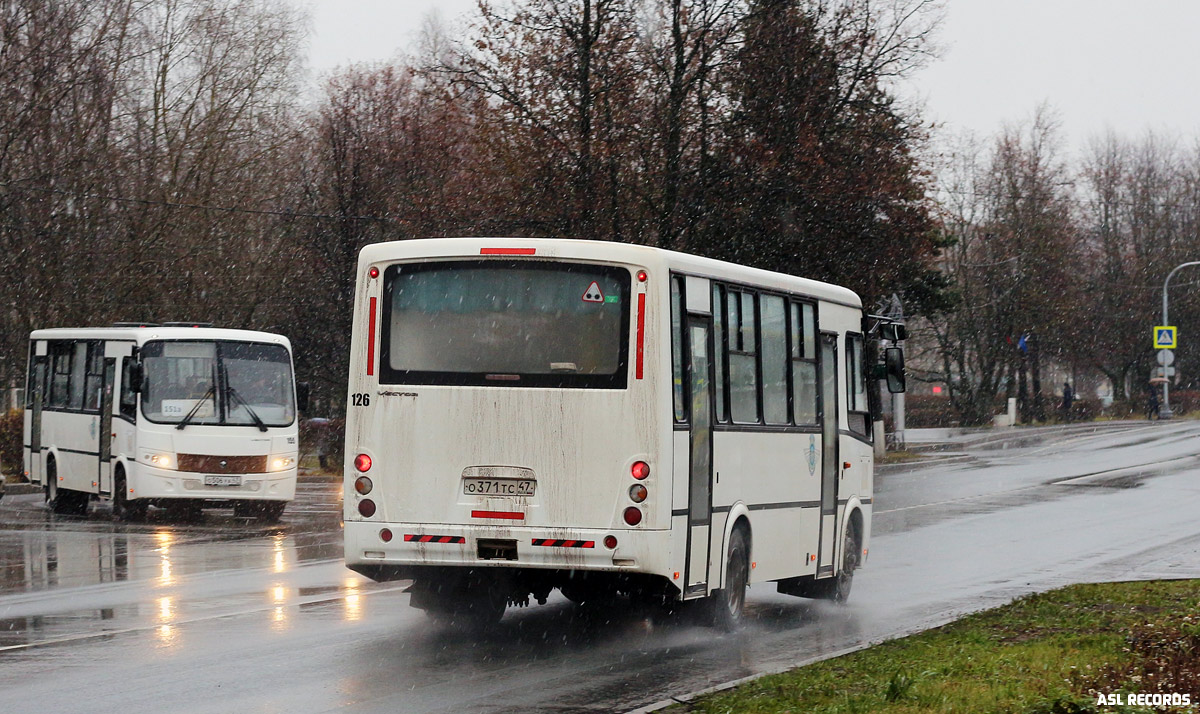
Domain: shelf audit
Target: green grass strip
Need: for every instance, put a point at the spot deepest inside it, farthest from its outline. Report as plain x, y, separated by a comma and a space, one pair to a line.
1052, 653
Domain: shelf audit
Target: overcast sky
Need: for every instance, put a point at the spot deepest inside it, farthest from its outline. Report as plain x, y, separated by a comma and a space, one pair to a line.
1127, 65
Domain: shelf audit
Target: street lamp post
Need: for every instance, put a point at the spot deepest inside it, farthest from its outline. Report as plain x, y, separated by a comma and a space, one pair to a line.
1165, 411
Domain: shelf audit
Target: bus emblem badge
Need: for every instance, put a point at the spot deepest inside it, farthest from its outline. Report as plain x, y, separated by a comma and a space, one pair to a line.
593, 293
812, 455
224, 464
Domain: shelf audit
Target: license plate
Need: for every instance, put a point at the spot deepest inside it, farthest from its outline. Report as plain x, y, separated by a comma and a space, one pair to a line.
499, 486
222, 480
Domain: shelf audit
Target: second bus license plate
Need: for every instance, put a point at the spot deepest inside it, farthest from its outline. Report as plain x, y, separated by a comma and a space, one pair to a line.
499, 486
222, 480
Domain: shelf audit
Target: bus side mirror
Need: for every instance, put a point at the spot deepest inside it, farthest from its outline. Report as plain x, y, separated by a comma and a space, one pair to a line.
893, 359
136, 377
893, 331
302, 391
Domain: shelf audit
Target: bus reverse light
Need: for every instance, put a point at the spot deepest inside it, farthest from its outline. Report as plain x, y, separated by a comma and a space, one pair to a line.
633, 516
363, 485
640, 470
362, 462
366, 508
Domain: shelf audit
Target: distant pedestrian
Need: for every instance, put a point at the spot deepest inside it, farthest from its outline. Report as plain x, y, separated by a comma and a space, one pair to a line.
1152, 402
1067, 401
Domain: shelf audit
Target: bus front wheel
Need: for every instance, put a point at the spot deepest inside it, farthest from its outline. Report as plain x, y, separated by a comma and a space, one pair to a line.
61, 500
123, 508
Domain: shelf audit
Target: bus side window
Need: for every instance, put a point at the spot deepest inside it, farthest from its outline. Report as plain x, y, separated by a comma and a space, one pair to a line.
95, 376
774, 358
804, 364
60, 358
78, 375
743, 358
856, 386
128, 396
718, 313
681, 414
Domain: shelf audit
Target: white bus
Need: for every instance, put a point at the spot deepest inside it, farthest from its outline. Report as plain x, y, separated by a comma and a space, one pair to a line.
606, 419
172, 415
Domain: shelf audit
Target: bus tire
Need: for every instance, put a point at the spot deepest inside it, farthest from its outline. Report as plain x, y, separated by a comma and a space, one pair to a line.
123, 508
63, 501
727, 605
837, 588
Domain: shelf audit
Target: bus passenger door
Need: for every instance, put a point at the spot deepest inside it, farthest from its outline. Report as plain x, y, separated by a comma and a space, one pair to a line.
700, 473
106, 415
829, 454
38, 387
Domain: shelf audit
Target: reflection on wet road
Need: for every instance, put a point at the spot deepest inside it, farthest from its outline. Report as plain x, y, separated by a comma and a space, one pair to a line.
224, 615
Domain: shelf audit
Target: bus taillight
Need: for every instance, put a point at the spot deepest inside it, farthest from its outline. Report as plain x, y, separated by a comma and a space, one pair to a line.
385, 535
366, 508
637, 493
610, 542
363, 485
633, 515
362, 462
640, 470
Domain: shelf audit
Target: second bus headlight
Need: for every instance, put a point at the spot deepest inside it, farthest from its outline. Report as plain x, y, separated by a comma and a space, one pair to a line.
281, 463
159, 460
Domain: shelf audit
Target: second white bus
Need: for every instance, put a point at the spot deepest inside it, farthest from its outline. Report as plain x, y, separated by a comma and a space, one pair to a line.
605, 419
168, 415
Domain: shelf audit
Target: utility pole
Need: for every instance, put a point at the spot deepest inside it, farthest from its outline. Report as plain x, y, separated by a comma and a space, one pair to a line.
1164, 412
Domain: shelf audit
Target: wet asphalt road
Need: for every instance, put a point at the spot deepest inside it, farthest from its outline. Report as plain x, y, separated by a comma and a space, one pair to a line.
225, 615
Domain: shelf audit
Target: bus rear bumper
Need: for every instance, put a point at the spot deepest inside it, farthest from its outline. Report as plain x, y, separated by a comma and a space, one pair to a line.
641, 551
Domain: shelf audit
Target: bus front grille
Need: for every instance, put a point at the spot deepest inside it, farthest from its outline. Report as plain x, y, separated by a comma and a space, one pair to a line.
204, 463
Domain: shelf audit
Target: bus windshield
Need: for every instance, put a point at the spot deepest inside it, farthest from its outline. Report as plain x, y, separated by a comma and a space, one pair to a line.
505, 323
217, 383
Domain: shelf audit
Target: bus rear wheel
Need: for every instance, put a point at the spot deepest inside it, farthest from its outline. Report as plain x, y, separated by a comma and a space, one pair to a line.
467, 603
727, 605
63, 501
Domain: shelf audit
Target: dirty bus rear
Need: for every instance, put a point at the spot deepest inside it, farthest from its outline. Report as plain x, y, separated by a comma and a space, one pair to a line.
605, 419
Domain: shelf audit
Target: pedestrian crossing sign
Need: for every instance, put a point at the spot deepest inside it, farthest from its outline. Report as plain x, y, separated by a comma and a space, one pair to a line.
1164, 337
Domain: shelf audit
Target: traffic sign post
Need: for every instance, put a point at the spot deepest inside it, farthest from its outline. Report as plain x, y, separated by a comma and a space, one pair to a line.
1164, 411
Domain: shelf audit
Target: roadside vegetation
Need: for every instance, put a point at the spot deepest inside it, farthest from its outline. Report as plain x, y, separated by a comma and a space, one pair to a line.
1052, 653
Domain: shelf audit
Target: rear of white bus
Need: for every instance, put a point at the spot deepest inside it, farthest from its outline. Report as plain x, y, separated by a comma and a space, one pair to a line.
502, 436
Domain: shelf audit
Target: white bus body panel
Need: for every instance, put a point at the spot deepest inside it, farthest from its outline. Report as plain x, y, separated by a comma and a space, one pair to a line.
580, 443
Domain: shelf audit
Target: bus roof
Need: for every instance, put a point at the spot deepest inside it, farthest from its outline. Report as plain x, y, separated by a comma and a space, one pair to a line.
602, 251
141, 335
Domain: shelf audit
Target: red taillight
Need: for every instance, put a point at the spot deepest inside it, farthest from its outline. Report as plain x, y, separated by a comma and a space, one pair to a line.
362, 462
366, 508
374, 272
610, 542
633, 516
637, 493
641, 275
363, 485
640, 470
385, 535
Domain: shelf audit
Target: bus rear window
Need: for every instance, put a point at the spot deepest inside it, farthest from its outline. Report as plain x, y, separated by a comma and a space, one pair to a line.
505, 323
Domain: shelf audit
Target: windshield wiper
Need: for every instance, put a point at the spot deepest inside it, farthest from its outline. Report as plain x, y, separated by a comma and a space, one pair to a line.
258, 422
212, 392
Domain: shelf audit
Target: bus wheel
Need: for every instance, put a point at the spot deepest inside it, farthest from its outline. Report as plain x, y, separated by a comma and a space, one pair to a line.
727, 604
61, 500
837, 588
469, 604
123, 508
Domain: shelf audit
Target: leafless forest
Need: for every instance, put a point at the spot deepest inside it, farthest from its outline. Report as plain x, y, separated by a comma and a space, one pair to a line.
166, 159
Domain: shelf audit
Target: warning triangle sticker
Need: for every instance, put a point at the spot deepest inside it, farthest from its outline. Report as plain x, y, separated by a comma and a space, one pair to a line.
593, 293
